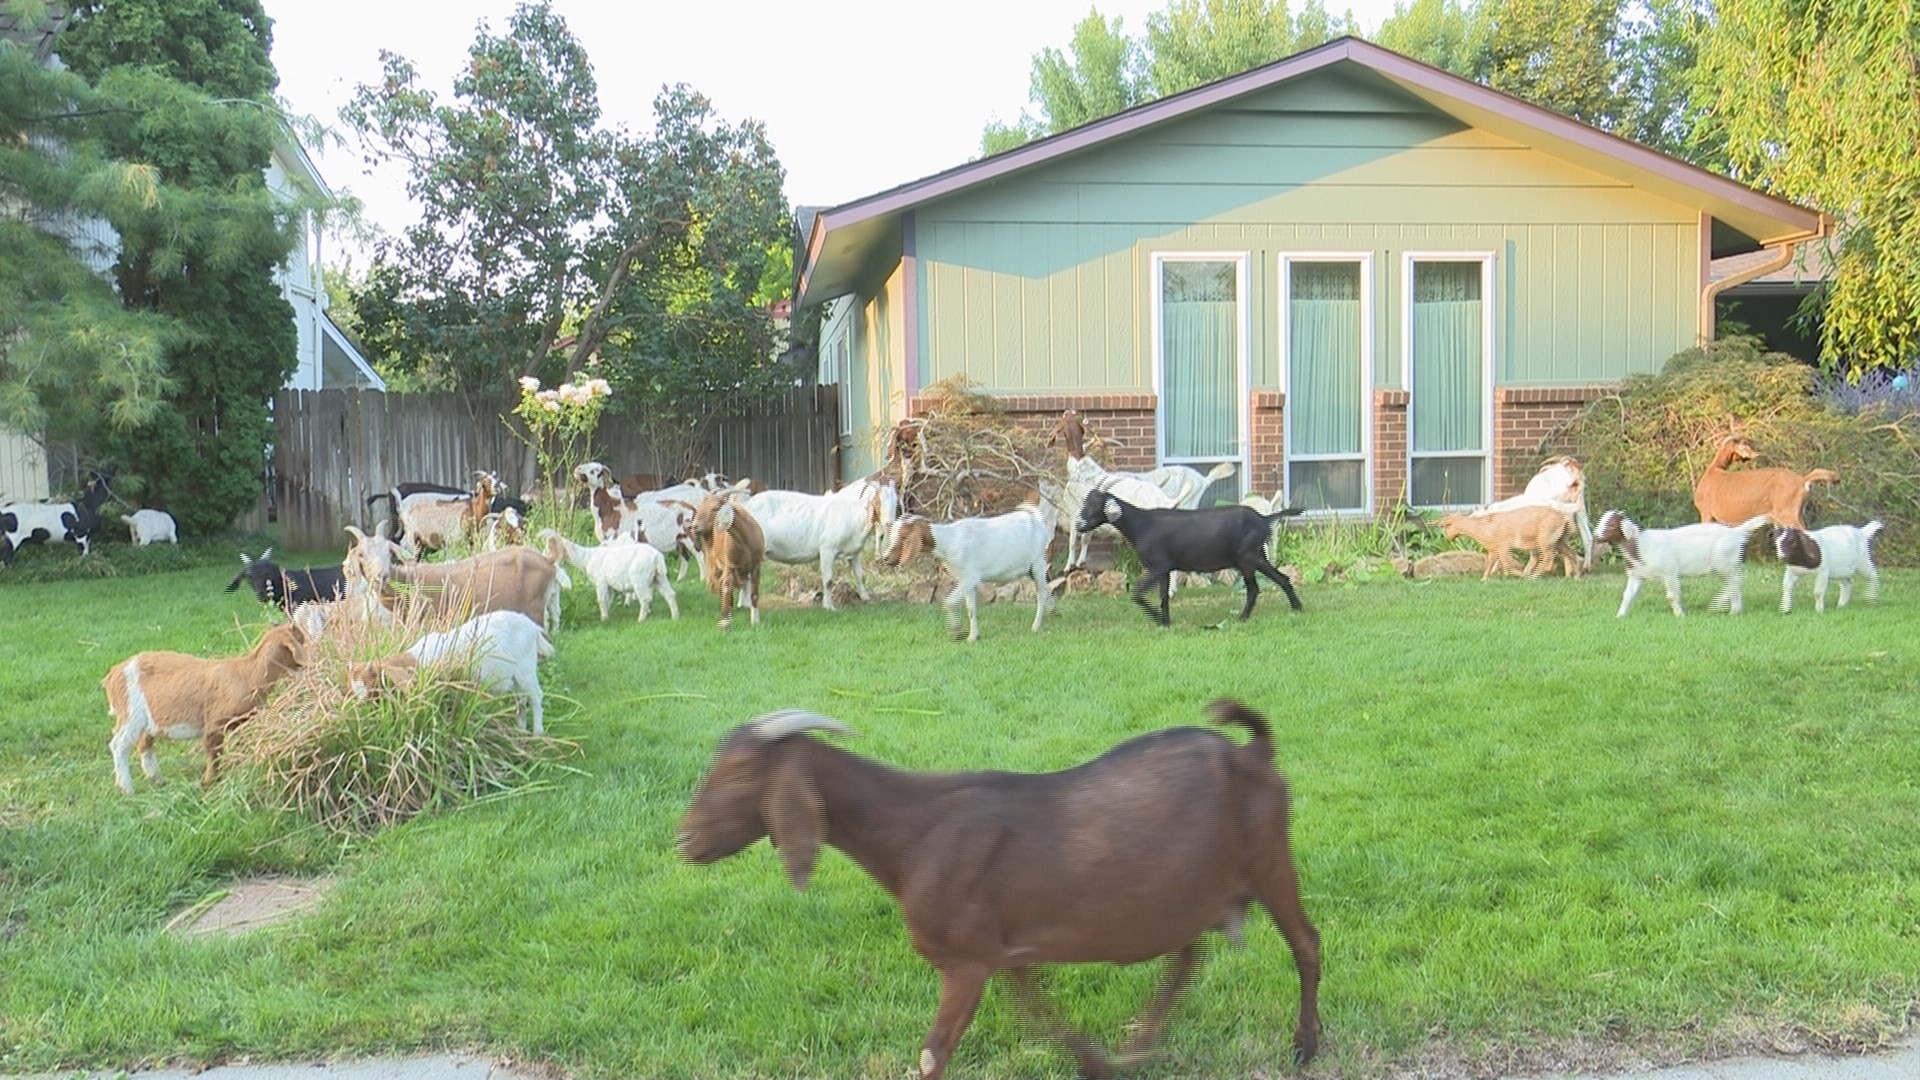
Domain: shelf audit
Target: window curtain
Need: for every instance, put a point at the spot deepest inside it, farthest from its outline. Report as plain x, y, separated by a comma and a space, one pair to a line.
1199, 325
1324, 358
1449, 361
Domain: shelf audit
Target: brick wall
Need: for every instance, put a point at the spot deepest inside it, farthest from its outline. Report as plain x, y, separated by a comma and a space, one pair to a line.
1529, 423
1126, 421
1389, 449
1269, 442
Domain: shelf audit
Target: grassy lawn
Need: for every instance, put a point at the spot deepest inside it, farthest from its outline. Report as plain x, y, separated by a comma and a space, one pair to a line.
1523, 826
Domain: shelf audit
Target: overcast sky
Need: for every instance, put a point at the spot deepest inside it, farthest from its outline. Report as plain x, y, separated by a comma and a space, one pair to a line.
856, 95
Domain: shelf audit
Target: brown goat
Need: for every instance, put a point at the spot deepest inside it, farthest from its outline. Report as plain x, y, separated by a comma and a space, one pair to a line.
1730, 498
160, 694
510, 579
1133, 855
1540, 530
735, 547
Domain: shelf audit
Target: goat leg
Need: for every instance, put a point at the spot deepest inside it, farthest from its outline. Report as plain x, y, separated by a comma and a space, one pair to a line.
1277, 884
1266, 567
1253, 593
1033, 1001
1153, 1022
960, 990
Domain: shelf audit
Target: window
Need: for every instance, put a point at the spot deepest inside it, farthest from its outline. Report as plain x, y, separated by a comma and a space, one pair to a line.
1325, 301
840, 362
1449, 365
1201, 336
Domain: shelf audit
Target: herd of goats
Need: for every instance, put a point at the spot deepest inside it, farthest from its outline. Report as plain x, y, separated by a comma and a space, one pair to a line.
991, 869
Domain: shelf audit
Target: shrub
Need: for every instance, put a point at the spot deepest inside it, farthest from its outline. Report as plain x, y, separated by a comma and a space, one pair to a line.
1645, 447
358, 766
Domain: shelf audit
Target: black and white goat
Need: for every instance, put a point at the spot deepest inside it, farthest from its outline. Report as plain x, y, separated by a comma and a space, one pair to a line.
289, 588
1837, 551
1196, 541
75, 522
399, 493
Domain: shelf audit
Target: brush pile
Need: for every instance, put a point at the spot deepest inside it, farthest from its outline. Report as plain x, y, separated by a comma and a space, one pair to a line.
966, 457
355, 766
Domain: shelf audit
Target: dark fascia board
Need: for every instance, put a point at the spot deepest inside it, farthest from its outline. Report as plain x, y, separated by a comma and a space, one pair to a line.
1402, 69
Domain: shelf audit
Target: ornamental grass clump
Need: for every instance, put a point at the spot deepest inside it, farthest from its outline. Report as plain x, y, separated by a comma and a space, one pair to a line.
357, 766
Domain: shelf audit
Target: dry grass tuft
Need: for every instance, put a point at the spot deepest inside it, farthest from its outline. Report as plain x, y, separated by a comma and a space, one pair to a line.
359, 766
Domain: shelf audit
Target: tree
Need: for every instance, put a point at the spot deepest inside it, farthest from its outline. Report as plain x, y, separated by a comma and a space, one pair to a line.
204, 252
1445, 33
1820, 103
649, 252
1099, 74
1558, 53
510, 177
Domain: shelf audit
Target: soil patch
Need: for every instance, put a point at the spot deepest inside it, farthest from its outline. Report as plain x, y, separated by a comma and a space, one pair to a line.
249, 904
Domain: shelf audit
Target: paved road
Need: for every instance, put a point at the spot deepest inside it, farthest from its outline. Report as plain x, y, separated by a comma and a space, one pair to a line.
1900, 1064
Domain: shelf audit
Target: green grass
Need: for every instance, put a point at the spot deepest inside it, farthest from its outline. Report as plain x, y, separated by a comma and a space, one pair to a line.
1521, 824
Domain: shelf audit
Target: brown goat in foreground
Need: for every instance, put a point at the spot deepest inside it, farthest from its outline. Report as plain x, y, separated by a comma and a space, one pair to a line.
1538, 529
1731, 497
1133, 855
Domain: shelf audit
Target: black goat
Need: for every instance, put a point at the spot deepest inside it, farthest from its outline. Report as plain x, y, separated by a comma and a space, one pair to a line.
1195, 541
288, 588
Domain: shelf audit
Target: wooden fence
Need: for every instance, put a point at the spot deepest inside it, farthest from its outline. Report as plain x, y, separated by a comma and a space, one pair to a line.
334, 448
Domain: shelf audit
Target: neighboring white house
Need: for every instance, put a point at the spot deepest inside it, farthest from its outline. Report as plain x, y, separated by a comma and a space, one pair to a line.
324, 358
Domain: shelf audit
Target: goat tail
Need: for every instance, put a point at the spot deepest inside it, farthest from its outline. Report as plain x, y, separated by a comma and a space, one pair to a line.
1753, 523
1284, 512
1870, 528
1816, 475
543, 647
1221, 471
1229, 711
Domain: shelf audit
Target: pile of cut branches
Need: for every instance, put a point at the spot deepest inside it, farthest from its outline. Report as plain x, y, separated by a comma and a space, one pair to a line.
966, 457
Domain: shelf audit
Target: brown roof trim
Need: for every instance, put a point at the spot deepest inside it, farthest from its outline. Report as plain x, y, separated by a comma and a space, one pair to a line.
1384, 61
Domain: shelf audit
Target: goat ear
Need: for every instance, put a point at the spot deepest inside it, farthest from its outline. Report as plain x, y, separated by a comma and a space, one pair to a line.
723, 517
796, 820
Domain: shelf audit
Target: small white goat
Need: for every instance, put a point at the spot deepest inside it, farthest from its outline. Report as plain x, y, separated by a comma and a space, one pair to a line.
1667, 555
1562, 485
629, 567
1006, 547
1837, 551
802, 528
504, 648
152, 527
169, 695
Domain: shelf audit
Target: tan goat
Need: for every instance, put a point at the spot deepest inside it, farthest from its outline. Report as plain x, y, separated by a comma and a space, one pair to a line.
511, 579
1540, 530
735, 547
1730, 498
158, 694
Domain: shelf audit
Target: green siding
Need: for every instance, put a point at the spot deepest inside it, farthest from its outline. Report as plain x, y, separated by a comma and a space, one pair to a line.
875, 389
1040, 283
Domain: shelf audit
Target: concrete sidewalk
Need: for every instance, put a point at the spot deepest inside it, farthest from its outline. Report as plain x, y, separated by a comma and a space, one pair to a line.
1902, 1063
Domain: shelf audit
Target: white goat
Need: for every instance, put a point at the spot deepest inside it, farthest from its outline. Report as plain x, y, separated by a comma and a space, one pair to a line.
1006, 547
169, 695
152, 527
802, 528
1667, 555
660, 518
1837, 551
635, 570
504, 649
1562, 485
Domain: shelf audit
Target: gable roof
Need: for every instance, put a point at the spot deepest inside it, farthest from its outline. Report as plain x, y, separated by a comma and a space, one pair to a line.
1744, 219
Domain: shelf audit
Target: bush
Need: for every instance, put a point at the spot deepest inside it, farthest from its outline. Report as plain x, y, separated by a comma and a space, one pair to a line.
357, 766
1644, 448
113, 556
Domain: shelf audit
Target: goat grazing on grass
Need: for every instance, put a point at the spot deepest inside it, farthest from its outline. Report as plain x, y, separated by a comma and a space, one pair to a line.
1006, 547
629, 567
823, 529
1561, 484
1173, 834
156, 694
152, 527
511, 579
1667, 555
75, 522
288, 589
1728, 497
734, 547
1837, 551
1196, 541
504, 648
1539, 529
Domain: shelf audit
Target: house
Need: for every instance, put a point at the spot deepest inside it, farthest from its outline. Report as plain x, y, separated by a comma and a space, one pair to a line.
326, 358
1348, 274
